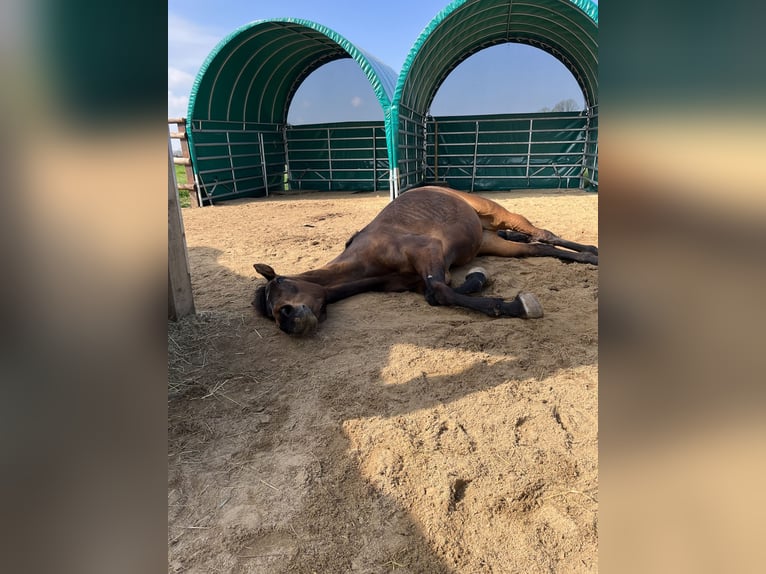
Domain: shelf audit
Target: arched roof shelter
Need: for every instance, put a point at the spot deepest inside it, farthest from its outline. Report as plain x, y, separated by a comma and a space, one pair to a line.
566, 29
249, 79
252, 74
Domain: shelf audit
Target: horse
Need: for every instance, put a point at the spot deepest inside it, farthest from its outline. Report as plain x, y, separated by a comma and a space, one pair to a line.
411, 246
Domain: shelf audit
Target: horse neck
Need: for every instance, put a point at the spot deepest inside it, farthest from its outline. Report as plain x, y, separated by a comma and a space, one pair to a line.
341, 279
331, 273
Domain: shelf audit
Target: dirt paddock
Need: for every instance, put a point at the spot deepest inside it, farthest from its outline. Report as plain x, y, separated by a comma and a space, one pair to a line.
400, 437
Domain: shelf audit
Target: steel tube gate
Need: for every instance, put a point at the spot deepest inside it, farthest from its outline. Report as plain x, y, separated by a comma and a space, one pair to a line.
511, 151
349, 156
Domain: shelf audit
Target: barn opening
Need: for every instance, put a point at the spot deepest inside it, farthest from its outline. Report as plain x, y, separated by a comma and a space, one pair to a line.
528, 131
336, 134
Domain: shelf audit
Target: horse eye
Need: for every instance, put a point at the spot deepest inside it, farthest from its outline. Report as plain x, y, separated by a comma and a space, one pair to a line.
279, 279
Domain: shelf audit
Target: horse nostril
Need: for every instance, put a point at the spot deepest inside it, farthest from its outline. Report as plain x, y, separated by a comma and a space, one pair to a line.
286, 310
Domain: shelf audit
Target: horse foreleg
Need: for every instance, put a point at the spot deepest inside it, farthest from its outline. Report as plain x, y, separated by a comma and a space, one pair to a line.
438, 292
524, 305
553, 239
475, 280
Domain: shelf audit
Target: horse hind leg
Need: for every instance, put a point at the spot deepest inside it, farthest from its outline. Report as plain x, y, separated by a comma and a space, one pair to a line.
493, 244
548, 237
516, 227
553, 239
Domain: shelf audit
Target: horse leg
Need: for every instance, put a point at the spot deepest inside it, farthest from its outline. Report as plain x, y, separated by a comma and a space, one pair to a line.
516, 227
517, 236
438, 292
545, 236
524, 305
493, 244
475, 280
553, 239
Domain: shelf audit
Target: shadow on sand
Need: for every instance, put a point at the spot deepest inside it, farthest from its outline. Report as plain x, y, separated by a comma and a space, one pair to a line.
314, 454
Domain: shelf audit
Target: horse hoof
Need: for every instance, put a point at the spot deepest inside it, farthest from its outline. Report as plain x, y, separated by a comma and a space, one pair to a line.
532, 307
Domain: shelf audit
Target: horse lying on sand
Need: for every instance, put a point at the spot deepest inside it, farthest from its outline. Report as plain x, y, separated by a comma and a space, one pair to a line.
411, 246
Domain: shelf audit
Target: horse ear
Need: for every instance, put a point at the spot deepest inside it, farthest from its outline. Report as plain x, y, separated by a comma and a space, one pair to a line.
265, 270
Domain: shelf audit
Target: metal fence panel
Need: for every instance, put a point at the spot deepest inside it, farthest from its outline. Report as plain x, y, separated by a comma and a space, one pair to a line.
349, 156
237, 159
511, 151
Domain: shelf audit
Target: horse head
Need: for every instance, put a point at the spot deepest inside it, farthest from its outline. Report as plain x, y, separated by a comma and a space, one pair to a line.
297, 306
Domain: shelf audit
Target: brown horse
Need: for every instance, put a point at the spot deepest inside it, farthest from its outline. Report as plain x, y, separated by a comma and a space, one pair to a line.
411, 246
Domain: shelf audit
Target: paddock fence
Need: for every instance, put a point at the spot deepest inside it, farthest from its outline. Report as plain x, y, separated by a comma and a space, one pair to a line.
349, 156
237, 159
184, 159
533, 151
471, 153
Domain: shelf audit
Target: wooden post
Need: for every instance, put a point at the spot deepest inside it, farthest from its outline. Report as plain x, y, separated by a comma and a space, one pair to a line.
185, 158
180, 298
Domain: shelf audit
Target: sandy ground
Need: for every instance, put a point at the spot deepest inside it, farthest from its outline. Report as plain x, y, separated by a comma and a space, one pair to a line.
399, 438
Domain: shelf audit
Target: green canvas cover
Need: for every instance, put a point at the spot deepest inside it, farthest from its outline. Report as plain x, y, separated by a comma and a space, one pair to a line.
252, 74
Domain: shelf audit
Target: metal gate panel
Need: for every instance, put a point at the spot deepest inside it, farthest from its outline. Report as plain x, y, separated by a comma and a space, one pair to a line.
349, 156
511, 151
237, 159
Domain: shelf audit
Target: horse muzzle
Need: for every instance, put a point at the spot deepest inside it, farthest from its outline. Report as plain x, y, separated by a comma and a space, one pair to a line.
297, 320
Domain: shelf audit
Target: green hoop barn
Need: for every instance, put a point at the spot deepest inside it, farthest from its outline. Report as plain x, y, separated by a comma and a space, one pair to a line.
241, 144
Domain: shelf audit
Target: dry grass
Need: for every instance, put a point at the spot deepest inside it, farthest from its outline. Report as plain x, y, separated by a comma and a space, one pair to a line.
190, 343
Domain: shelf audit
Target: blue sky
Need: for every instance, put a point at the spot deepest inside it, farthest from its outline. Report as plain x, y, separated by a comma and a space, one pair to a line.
513, 78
